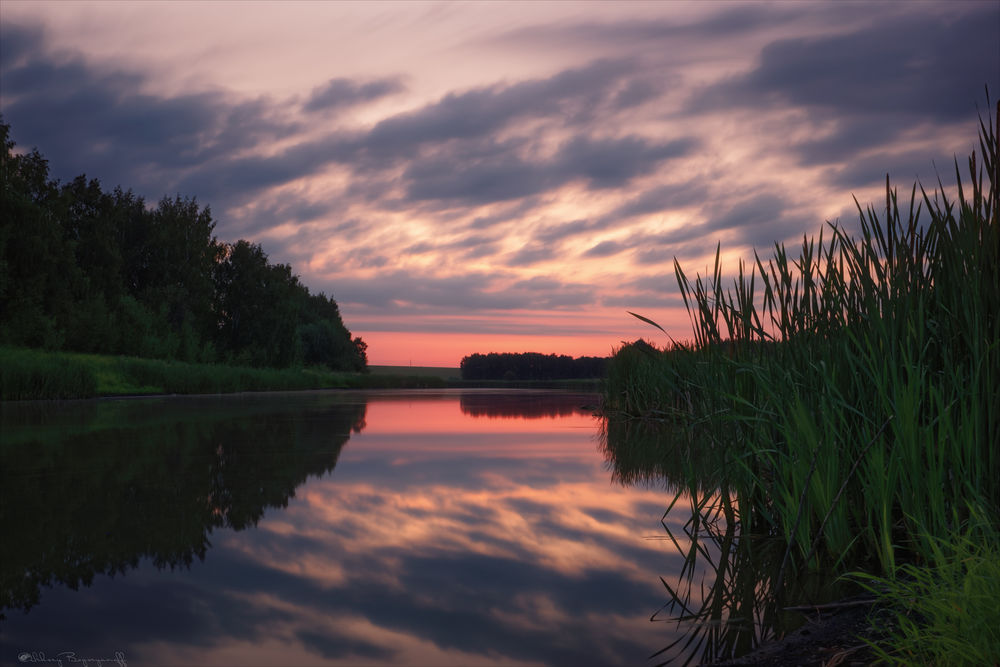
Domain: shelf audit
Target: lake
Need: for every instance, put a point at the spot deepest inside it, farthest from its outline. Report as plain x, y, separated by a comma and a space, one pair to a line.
320, 528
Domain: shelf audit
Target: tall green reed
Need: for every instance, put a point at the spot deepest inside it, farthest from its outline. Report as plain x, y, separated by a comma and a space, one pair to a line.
855, 383
35, 375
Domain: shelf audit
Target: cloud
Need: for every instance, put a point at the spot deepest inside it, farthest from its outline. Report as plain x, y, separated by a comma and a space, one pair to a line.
495, 172
903, 167
923, 66
426, 543
96, 120
653, 32
569, 95
658, 199
462, 293
342, 93
530, 254
613, 162
501, 177
555, 233
605, 249
602, 142
17, 43
870, 84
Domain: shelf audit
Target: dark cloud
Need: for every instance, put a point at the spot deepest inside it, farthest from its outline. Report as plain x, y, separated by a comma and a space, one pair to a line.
557, 233
661, 282
17, 43
636, 92
874, 82
659, 254
204, 144
757, 210
920, 66
733, 20
496, 173
406, 292
342, 93
658, 199
570, 95
481, 251
503, 177
90, 119
484, 163
848, 137
332, 647
758, 221
471, 290
469, 243
539, 283
903, 167
504, 214
609, 163
605, 249
531, 253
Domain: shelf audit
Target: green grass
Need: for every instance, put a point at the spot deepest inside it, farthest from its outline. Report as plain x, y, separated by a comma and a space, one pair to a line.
849, 388
32, 374
946, 609
27, 374
418, 371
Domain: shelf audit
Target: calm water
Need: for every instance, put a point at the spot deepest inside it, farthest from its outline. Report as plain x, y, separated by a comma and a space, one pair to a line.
411, 528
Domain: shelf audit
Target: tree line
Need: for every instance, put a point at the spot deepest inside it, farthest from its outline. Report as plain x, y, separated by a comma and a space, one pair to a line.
531, 366
90, 270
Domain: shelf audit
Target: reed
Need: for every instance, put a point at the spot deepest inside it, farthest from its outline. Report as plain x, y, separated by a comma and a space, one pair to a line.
32, 375
853, 383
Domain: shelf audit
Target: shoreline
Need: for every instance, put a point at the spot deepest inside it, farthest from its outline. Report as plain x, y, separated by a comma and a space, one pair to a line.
35, 374
833, 634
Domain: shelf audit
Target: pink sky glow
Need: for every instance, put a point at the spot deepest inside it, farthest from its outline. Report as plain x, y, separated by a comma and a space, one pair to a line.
488, 177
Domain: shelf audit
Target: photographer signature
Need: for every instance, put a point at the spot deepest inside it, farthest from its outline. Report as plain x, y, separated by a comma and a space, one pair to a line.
70, 657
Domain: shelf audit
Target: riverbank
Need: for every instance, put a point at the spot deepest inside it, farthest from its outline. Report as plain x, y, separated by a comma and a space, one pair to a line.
30, 374
835, 634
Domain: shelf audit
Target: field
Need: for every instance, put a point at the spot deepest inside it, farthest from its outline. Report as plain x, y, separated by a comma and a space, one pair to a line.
418, 371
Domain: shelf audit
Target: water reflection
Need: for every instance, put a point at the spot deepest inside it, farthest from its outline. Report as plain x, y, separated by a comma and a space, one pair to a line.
217, 531
94, 487
723, 599
520, 405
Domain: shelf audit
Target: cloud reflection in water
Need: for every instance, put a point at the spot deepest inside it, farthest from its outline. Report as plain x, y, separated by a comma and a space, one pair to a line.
440, 538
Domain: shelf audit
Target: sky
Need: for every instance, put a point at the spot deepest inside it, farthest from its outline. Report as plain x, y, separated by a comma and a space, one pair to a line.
503, 176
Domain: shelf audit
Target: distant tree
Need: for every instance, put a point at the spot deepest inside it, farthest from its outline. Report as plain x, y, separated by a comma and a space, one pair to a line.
530, 366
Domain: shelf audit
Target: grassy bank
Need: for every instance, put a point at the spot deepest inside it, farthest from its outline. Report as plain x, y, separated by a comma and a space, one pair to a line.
28, 374
850, 394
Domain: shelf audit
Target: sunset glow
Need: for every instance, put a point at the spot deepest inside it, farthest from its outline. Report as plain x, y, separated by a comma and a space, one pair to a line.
452, 527
502, 177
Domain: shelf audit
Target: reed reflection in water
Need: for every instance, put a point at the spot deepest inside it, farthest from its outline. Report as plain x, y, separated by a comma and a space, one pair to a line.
724, 599
325, 528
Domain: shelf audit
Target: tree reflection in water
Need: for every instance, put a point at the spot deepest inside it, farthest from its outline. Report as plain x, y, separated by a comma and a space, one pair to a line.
508, 404
121, 481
